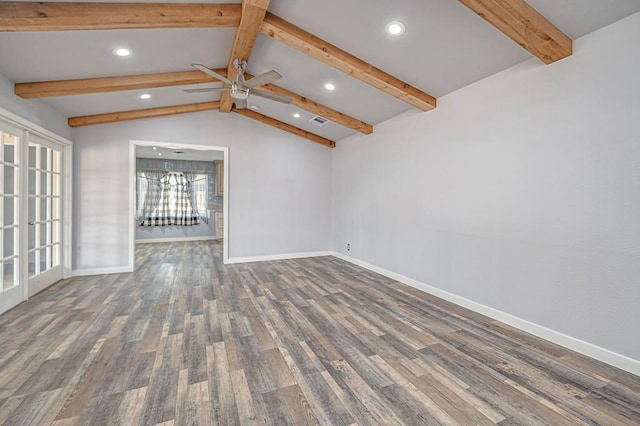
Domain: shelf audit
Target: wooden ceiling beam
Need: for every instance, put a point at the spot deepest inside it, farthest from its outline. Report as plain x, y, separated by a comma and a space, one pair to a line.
317, 48
43, 89
286, 127
58, 16
253, 12
114, 117
319, 109
146, 81
524, 25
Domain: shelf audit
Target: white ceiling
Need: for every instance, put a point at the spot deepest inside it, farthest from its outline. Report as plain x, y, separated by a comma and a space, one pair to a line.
446, 47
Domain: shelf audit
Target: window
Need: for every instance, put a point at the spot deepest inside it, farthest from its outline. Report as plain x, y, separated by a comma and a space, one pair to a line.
173, 198
142, 186
200, 191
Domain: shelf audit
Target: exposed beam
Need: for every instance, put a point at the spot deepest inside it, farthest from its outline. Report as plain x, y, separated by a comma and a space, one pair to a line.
308, 43
113, 117
319, 109
286, 127
146, 81
85, 86
31, 16
524, 25
253, 12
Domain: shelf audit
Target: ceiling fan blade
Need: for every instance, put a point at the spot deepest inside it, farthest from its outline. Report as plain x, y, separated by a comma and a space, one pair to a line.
211, 73
264, 78
207, 89
270, 96
241, 103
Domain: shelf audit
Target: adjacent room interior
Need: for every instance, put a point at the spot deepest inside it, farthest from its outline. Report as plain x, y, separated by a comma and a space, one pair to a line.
167, 211
301, 212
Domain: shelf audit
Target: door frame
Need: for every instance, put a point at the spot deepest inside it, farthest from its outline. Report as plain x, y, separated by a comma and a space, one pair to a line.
132, 191
66, 249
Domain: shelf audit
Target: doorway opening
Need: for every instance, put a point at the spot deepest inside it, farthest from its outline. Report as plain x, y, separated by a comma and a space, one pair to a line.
206, 170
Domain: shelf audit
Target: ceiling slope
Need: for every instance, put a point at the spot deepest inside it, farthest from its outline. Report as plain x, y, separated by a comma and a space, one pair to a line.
286, 127
113, 117
524, 25
145, 81
445, 48
311, 45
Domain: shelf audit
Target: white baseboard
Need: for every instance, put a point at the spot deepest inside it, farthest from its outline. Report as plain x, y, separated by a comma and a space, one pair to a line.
278, 257
615, 359
174, 240
101, 271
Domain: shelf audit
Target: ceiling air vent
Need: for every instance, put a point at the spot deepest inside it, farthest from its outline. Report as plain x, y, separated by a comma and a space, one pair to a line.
319, 121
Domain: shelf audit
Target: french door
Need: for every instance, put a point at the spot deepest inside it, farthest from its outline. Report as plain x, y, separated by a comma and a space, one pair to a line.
31, 214
11, 290
44, 213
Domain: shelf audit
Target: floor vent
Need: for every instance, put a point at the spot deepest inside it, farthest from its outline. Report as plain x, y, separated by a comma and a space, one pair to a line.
319, 121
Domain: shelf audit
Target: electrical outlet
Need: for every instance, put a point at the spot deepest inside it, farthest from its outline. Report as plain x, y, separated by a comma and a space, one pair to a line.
348, 247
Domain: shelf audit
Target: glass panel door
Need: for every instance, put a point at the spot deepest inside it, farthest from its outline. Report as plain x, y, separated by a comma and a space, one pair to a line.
11, 290
44, 213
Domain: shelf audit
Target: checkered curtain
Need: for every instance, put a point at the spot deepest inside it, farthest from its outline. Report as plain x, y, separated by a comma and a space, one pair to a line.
169, 202
148, 193
199, 185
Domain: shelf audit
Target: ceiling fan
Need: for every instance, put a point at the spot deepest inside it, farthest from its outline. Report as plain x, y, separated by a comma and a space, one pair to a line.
240, 89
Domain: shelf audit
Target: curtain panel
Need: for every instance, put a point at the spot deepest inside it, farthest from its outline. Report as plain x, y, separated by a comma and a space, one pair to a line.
166, 199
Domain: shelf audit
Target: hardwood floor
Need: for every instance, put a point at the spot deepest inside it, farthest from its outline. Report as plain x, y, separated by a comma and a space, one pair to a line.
186, 340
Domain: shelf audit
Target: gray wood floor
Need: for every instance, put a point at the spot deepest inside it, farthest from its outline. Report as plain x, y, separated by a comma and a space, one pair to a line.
185, 340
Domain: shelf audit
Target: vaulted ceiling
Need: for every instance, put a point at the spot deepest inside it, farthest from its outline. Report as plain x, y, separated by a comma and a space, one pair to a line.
447, 45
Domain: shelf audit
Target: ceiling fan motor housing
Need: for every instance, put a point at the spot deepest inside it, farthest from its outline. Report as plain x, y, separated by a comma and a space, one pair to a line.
238, 92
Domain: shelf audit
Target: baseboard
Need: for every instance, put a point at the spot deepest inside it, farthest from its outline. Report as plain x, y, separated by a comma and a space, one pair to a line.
278, 257
612, 358
174, 240
101, 271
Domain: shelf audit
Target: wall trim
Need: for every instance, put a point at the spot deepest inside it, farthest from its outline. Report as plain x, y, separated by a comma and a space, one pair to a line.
174, 240
101, 271
284, 256
605, 355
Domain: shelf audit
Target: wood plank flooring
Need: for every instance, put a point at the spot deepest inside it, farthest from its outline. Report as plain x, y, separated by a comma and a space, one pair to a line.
186, 340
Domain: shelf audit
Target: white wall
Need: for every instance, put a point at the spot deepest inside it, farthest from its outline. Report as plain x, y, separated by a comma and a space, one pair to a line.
520, 192
279, 198
34, 110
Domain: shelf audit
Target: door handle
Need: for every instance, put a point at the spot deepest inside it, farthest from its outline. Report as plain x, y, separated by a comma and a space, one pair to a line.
31, 223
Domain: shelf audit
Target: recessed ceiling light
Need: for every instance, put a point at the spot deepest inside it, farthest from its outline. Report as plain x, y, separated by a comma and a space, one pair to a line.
330, 86
122, 51
159, 154
154, 148
395, 28
145, 96
296, 115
